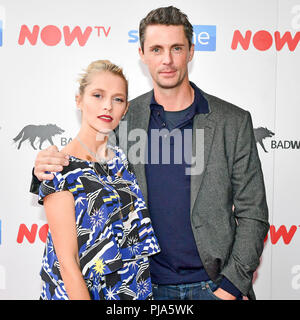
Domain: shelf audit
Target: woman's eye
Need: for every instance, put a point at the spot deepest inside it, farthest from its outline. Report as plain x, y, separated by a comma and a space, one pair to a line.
119, 100
97, 95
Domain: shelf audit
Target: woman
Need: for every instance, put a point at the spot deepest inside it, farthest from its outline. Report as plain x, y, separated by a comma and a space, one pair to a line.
100, 234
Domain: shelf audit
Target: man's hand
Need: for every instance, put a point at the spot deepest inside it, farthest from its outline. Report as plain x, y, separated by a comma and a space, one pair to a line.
224, 295
50, 160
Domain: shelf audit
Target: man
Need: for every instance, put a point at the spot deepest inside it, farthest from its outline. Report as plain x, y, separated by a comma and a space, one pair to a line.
210, 223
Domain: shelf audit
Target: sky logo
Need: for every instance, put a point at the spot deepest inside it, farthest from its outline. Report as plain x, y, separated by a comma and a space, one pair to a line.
205, 37
1, 33
2, 20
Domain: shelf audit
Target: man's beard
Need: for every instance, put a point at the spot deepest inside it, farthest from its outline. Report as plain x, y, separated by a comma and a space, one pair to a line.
171, 86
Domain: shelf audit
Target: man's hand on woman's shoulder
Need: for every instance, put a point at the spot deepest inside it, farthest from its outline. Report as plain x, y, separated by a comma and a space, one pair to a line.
49, 160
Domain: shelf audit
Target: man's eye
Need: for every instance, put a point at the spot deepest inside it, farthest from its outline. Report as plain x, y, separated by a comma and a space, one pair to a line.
97, 95
155, 50
177, 48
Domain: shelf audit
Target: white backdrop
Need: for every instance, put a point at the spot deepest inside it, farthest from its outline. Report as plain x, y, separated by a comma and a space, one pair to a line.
246, 61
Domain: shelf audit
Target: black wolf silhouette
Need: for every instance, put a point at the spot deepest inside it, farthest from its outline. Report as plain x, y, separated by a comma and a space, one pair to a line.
44, 132
262, 133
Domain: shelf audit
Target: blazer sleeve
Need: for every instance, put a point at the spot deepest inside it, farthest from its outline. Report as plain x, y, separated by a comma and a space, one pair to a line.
250, 210
35, 184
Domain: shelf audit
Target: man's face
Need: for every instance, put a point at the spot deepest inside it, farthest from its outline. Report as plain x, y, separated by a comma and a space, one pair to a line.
167, 54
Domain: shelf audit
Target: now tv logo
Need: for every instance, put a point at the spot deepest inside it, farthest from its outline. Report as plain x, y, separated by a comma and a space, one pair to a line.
263, 40
31, 234
52, 35
281, 233
274, 234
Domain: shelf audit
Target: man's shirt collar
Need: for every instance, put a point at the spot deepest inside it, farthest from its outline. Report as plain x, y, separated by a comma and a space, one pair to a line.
199, 105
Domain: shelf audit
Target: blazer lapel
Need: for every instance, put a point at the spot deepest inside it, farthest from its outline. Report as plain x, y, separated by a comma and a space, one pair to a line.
201, 121
141, 115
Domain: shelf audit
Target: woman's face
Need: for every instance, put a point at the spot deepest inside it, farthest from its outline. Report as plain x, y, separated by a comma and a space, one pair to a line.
103, 102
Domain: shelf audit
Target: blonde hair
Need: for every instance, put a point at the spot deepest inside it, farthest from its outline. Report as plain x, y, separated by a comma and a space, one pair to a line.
99, 66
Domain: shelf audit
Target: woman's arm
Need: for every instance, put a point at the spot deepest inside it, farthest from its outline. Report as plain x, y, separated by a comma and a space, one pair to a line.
60, 211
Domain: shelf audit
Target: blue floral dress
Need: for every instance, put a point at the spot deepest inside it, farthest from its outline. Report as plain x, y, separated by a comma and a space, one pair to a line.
114, 231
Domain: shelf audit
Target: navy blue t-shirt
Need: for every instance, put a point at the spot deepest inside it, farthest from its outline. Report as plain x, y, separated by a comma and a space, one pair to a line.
169, 193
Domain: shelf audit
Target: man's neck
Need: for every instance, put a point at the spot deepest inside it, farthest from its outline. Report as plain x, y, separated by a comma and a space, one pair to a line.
175, 99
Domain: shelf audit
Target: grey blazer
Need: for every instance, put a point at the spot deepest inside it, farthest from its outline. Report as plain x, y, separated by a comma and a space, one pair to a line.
229, 213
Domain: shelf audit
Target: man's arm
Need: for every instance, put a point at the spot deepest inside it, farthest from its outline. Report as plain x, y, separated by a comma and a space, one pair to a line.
48, 160
251, 211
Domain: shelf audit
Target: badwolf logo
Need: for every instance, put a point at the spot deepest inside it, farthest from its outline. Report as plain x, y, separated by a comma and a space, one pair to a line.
43, 132
262, 133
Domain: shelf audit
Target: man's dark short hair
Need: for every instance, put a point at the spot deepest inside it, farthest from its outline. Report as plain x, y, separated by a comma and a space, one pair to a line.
169, 16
